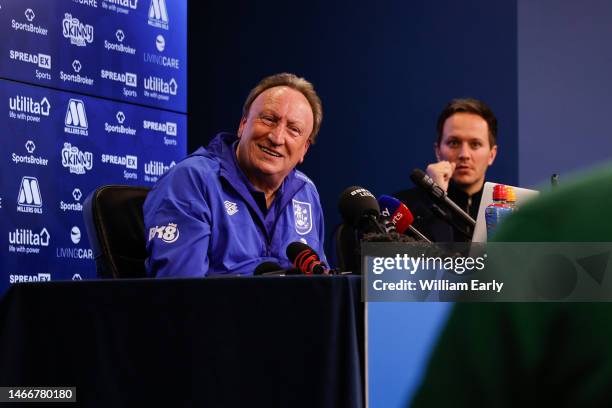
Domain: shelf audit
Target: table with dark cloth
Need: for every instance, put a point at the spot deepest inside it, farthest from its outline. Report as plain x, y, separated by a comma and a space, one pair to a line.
225, 342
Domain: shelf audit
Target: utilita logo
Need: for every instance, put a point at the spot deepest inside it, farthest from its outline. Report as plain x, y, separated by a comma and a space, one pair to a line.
29, 241
154, 169
76, 118
119, 127
158, 14
29, 27
79, 34
26, 108
120, 6
29, 199
157, 84
77, 161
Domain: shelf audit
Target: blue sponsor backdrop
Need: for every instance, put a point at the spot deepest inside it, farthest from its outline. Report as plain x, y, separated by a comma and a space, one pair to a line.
132, 50
62, 137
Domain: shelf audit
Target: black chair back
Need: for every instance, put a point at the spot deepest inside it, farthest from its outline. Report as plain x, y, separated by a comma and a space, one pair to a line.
115, 227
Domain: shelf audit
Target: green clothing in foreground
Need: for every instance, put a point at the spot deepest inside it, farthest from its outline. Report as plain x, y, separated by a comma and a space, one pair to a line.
544, 354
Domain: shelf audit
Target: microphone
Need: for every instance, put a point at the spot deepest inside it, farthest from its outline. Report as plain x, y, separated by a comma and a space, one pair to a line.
305, 259
421, 179
400, 216
359, 208
268, 268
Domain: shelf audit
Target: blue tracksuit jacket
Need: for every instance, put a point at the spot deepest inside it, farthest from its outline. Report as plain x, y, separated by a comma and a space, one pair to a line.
202, 219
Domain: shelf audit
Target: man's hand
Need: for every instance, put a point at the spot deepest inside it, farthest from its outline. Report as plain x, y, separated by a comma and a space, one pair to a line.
441, 173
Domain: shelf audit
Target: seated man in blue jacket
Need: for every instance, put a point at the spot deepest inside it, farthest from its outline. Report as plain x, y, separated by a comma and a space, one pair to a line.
239, 202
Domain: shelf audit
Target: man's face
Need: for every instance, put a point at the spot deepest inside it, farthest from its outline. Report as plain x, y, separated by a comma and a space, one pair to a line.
274, 136
465, 142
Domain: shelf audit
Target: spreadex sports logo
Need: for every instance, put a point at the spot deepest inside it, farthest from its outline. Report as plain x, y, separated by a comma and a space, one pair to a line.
26, 108
41, 277
74, 252
119, 127
169, 128
40, 60
77, 161
126, 78
29, 159
24, 240
29, 199
76, 118
75, 206
76, 77
168, 233
120, 6
119, 46
79, 34
130, 162
158, 14
30, 27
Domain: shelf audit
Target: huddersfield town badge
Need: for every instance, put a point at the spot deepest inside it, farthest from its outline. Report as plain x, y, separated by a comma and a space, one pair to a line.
302, 213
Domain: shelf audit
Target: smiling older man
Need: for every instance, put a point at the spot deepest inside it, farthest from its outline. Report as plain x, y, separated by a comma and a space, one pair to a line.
239, 202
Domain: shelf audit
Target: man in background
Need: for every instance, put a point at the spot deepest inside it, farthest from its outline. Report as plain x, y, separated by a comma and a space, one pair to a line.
239, 202
466, 146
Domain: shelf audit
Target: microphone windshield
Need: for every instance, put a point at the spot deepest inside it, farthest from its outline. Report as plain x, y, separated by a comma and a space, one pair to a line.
304, 258
397, 212
266, 267
356, 202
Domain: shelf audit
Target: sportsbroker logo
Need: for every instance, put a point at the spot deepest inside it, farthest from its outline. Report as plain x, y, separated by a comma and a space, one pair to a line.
30, 27
79, 34
76, 118
29, 199
158, 14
